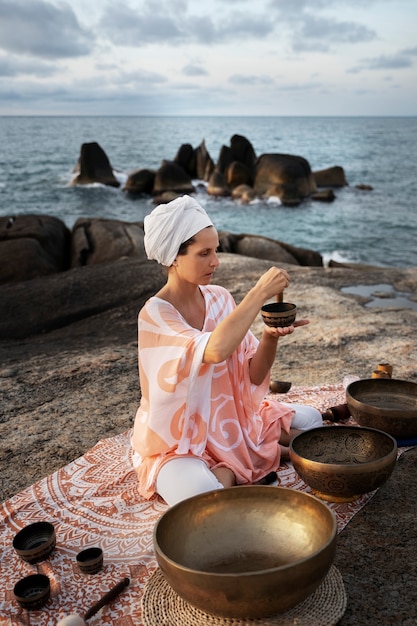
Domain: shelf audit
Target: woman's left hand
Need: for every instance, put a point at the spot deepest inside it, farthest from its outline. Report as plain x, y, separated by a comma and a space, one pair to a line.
282, 331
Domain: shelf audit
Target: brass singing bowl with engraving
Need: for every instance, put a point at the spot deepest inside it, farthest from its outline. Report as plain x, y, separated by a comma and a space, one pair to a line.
248, 551
341, 463
385, 403
279, 314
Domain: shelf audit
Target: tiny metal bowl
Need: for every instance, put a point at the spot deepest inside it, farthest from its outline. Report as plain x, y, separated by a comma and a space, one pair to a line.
90, 560
247, 551
385, 403
35, 542
32, 592
341, 463
279, 314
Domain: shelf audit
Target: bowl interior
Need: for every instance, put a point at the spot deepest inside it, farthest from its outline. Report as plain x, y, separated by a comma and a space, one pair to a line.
385, 395
387, 404
36, 541
343, 445
247, 551
243, 529
33, 591
90, 560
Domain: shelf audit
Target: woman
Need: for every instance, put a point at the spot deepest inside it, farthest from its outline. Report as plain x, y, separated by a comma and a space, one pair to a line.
204, 422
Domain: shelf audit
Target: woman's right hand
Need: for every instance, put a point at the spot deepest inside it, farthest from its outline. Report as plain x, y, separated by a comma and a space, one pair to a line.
273, 282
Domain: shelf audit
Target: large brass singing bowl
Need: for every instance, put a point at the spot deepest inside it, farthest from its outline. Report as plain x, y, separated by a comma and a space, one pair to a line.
385, 403
341, 463
249, 551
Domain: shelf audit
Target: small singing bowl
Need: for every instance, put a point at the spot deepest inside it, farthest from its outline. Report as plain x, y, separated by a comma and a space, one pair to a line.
247, 551
32, 592
90, 561
341, 463
279, 314
35, 542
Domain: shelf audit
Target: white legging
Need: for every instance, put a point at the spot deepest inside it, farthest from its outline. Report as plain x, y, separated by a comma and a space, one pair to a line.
184, 477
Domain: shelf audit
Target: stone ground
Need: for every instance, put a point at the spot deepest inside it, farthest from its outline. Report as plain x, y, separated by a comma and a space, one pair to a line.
63, 390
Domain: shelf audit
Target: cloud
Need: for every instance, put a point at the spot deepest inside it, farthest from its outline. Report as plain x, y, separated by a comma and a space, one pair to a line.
410, 51
163, 24
398, 61
125, 26
246, 79
334, 31
308, 31
194, 69
11, 66
42, 29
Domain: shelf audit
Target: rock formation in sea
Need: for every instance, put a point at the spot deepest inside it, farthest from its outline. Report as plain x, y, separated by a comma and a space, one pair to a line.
238, 173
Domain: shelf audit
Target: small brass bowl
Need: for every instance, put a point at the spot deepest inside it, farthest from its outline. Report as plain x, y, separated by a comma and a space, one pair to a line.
387, 404
90, 560
32, 592
341, 463
248, 551
279, 314
35, 542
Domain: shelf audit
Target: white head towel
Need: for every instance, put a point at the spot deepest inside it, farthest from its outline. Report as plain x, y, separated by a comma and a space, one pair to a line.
169, 225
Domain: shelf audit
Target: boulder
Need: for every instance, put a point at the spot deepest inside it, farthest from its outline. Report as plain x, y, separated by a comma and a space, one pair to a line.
267, 248
31, 246
227, 241
204, 162
262, 248
165, 197
185, 158
324, 195
331, 177
103, 240
172, 177
286, 176
217, 185
197, 163
94, 167
364, 187
304, 256
243, 152
240, 151
75, 295
140, 182
238, 174
225, 159
244, 193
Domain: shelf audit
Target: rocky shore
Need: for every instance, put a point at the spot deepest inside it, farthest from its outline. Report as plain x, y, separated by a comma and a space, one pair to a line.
70, 378
68, 353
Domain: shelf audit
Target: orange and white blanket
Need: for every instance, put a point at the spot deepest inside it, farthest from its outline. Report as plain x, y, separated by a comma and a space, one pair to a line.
95, 501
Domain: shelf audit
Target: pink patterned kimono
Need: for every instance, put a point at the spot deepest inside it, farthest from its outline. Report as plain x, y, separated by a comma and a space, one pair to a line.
189, 408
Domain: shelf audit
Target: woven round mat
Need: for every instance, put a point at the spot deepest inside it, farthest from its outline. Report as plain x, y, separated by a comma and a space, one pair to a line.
161, 605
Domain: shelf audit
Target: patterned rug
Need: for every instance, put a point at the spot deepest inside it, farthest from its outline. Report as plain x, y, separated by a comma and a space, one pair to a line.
94, 501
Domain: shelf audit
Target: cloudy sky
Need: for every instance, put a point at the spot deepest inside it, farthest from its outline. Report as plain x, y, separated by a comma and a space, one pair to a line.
208, 57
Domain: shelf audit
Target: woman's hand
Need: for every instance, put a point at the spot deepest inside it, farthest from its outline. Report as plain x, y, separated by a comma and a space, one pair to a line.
284, 330
273, 282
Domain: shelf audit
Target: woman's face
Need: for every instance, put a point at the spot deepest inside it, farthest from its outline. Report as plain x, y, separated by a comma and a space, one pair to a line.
197, 266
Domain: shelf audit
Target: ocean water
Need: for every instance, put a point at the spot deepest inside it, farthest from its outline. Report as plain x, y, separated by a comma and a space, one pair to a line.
379, 227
